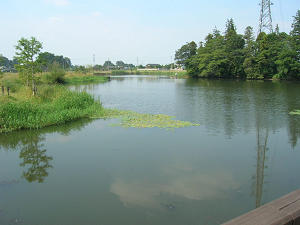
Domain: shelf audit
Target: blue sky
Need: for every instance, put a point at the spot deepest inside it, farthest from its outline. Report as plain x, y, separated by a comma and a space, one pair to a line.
125, 30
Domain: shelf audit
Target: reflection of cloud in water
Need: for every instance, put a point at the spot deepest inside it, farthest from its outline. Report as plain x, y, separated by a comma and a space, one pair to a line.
194, 186
135, 192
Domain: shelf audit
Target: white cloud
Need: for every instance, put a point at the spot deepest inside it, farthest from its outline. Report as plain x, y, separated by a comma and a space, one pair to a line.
58, 2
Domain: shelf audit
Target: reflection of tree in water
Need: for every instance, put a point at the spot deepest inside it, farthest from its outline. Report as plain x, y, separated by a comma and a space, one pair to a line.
294, 129
35, 160
33, 154
232, 105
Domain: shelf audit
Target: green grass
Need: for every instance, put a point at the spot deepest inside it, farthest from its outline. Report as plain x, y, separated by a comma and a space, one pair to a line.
85, 79
54, 105
295, 112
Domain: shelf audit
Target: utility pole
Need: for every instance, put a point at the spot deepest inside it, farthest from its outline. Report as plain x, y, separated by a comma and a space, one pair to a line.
265, 20
137, 61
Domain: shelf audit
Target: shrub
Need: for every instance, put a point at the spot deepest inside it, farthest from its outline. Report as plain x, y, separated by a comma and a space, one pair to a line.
56, 75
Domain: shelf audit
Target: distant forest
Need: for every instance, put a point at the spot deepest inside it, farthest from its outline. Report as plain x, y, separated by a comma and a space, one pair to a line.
45, 59
232, 55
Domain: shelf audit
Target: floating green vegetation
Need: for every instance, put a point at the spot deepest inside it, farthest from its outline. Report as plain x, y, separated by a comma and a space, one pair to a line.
140, 120
295, 112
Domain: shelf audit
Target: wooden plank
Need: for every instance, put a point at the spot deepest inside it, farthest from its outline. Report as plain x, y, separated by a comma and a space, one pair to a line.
283, 211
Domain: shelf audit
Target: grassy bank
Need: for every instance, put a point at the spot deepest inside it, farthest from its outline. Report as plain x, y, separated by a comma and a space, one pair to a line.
75, 78
53, 105
12, 79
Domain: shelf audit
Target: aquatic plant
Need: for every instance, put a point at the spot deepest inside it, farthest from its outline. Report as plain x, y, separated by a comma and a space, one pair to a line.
295, 112
141, 120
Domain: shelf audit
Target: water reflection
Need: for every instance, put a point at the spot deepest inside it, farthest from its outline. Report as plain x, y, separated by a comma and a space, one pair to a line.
259, 177
32, 151
177, 183
232, 106
35, 160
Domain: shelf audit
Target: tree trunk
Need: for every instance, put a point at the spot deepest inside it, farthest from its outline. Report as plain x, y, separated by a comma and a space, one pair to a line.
2, 87
34, 88
8, 91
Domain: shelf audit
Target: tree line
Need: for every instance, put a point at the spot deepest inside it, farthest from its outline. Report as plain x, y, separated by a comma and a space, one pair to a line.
45, 59
232, 55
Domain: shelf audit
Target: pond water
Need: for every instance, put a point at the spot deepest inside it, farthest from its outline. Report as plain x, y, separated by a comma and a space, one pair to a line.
245, 153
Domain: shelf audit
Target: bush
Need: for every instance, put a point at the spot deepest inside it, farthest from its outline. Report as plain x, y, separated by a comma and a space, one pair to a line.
56, 75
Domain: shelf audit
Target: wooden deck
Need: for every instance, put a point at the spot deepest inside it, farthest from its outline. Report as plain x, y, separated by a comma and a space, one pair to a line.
283, 211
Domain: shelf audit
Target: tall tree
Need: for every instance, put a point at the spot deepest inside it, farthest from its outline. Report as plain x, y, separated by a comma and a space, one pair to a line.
183, 54
27, 52
248, 35
234, 44
295, 33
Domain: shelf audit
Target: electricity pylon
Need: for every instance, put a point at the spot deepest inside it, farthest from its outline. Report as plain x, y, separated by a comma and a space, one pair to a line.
265, 20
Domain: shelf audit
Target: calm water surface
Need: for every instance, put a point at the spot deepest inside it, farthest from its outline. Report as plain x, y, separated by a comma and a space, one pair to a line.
245, 153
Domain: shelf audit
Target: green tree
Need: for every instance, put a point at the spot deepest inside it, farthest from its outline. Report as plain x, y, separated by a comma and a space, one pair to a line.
27, 52
288, 59
98, 67
80, 69
47, 59
295, 33
108, 65
183, 54
234, 45
211, 57
250, 65
120, 64
275, 55
248, 36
